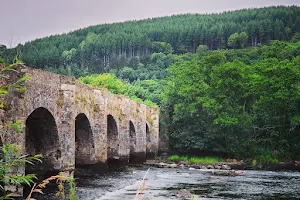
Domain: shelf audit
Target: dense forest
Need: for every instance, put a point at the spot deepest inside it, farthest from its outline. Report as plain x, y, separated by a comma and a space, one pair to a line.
103, 47
227, 82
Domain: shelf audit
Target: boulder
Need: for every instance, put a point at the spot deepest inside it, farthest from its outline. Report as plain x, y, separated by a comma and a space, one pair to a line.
184, 194
221, 173
237, 172
228, 173
218, 167
162, 165
184, 162
297, 163
203, 167
210, 167
173, 165
225, 167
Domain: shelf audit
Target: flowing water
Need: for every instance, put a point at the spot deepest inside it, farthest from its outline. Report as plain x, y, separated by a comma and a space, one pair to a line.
164, 184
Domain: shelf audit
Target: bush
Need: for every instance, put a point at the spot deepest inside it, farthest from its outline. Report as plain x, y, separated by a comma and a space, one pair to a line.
117, 86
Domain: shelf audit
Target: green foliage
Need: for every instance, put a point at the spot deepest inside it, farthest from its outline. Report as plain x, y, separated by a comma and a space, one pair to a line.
238, 40
72, 188
243, 39
195, 160
127, 73
227, 105
67, 55
233, 40
2, 50
108, 81
10, 158
104, 47
296, 37
162, 47
4, 74
202, 50
177, 158
174, 158
10, 153
116, 86
199, 160
264, 156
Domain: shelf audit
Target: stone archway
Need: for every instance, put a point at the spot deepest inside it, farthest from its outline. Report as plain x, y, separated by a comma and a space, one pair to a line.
112, 139
132, 142
84, 141
42, 138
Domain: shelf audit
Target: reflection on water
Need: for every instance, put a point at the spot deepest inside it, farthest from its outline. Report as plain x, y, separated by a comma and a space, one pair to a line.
170, 183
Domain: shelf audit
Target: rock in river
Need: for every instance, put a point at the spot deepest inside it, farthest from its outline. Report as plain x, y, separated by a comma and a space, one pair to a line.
225, 167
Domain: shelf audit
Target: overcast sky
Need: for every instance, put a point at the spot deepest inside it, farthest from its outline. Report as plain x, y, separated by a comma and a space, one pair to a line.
25, 20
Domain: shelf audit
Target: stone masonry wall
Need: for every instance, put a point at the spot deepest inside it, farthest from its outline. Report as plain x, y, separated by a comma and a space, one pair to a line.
65, 99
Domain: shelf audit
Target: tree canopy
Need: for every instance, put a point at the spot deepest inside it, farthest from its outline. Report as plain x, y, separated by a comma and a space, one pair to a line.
226, 105
108, 46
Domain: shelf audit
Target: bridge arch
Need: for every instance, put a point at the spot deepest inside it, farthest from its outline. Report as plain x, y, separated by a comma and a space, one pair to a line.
132, 141
41, 137
84, 141
112, 138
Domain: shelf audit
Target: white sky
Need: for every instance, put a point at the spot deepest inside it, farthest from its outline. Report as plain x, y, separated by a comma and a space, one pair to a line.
25, 20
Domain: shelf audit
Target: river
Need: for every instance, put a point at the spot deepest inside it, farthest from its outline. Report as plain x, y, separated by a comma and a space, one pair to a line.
162, 184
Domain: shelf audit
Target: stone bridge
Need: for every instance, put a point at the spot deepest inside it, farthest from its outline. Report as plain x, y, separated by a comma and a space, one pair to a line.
74, 125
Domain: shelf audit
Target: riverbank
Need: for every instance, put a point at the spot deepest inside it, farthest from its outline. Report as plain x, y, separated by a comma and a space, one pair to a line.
229, 164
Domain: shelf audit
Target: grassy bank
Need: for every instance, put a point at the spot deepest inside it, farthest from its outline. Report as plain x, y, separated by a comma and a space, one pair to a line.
195, 160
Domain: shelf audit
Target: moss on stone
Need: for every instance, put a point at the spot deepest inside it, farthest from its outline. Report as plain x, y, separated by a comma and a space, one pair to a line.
60, 99
149, 119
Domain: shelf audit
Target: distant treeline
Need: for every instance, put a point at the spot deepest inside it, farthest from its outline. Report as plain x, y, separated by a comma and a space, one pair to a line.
103, 47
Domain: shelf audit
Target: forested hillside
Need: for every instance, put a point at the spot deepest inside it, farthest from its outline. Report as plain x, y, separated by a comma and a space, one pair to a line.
226, 82
243, 102
109, 46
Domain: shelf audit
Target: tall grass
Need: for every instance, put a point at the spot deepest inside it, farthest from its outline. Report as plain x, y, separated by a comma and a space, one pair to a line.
176, 158
194, 159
